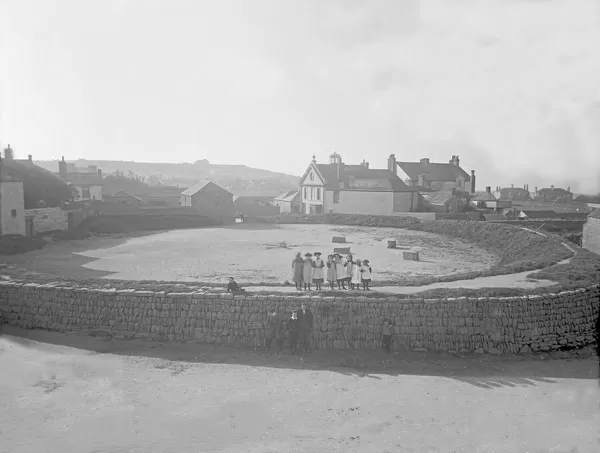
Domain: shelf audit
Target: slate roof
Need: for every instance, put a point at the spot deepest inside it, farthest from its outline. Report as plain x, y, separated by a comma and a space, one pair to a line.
288, 196
595, 214
495, 216
359, 177
483, 196
85, 179
440, 198
434, 171
199, 186
122, 193
556, 189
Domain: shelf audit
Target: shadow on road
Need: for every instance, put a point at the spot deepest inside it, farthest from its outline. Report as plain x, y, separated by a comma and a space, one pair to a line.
488, 372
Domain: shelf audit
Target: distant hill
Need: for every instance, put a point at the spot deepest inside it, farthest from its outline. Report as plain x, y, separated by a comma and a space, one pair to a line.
202, 169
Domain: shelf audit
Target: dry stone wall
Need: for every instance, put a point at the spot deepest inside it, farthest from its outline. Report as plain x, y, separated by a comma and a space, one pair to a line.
492, 325
48, 219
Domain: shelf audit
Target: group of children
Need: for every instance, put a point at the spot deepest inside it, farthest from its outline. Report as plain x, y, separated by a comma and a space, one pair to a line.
337, 269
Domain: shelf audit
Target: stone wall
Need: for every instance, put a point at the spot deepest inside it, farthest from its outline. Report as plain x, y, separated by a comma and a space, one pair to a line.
591, 235
48, 219
493, 325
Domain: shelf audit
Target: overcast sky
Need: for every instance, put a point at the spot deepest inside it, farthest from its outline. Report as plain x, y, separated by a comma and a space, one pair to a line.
513, 87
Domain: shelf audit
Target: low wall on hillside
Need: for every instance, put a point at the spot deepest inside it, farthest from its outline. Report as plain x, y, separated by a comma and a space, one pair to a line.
493, 325
48, 219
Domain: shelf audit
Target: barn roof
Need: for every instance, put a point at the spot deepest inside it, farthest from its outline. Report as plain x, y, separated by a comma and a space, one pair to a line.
201, 185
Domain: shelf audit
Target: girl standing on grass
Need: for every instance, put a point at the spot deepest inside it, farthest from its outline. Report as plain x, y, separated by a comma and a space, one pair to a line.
331, 273
356, 275
318, 273
340, 269
307, 271
387, 333
366, 272
297, 265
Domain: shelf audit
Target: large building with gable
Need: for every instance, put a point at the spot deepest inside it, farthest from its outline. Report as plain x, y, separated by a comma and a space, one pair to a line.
337, 187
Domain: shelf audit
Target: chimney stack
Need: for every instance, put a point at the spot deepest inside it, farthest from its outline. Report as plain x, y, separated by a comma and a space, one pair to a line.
552, 186
9, 153
62, 168
424, 160
100, 173
392, 164
512, 186
365, 164
488, 189
30, 157
472, 181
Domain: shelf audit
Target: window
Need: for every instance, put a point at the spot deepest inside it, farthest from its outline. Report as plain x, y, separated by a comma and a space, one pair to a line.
305, 194
336, 196
312, 193
13, 212
85, 191
311, 177
318, 193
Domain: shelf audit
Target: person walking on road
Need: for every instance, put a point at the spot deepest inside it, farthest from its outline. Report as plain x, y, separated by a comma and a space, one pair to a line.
387, 334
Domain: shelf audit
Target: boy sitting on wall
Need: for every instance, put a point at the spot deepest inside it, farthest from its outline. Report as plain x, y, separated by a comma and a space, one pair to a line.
234, 287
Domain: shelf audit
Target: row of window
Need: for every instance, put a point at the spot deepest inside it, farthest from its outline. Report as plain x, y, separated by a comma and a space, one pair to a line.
315, 194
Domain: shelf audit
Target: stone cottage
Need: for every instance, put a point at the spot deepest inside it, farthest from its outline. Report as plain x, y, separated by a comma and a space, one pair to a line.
289, 202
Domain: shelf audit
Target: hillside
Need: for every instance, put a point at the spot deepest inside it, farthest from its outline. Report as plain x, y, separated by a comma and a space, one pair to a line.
183, 171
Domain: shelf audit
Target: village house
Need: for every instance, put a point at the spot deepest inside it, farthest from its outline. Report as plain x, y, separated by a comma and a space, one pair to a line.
12, 204
447, 201
591, 232
124, 198
289, 202
86, 181
485, 200
512, 193
209, 199
355, 189
428, 175
554, 195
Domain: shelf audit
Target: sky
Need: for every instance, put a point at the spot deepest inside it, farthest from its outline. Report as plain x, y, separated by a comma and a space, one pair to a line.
511, 86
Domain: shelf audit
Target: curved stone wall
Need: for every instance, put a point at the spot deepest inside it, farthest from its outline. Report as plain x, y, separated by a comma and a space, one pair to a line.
493, 325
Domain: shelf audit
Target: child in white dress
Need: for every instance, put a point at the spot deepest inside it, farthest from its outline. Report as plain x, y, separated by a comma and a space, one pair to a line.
356, 275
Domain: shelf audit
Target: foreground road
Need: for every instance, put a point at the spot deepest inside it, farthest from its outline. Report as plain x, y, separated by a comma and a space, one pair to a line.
108, 396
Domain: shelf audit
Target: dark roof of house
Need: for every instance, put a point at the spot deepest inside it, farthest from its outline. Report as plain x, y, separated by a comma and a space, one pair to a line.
288, 196
483, 196
441, 197
595, 214
201, 186
361, 178
256, 193
540, 214
86, 179
556, 189
507, 193
123, 194
434, 171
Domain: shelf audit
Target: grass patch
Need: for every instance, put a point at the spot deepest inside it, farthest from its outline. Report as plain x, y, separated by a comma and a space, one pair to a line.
15, 244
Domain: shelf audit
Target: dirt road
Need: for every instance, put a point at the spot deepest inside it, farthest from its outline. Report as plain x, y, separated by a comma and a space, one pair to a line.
108, 396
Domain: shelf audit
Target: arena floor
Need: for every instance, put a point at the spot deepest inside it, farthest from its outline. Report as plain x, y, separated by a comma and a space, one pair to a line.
251, 254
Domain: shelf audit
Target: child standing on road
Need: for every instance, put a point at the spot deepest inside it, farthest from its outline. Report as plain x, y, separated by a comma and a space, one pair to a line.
387, 331
366, 272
